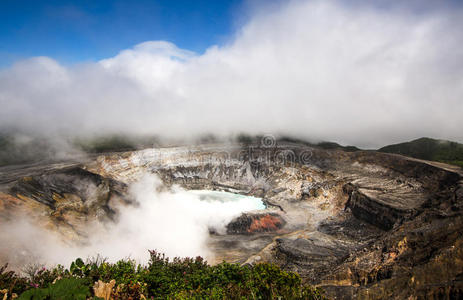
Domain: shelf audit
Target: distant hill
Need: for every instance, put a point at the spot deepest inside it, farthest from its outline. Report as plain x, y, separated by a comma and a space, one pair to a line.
18, 148
21, 150
429, 149
324, 145
332, 145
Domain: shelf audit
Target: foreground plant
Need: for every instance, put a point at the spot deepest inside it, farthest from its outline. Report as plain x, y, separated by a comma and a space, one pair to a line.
161, 278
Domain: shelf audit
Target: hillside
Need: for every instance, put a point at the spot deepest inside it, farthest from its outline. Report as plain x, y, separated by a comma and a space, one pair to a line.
429, 149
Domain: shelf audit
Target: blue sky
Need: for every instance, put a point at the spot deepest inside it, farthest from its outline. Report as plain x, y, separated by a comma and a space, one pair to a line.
89, 30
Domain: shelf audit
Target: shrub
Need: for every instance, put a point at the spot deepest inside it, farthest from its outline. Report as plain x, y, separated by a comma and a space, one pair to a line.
11, 282
63, 289
162, 278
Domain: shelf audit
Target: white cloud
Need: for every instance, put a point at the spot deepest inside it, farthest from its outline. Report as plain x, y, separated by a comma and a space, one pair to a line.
357, 74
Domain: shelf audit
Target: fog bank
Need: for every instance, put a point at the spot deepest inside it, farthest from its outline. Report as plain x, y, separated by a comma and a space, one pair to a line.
354, 72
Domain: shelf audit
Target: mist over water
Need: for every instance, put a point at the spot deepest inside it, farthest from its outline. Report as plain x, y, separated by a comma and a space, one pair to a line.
175, 222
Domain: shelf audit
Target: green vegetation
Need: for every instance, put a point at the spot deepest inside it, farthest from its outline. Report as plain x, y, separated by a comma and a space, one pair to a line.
18, 150
63, 289
249, 139
161, 278
111, 143
429, 149
331, 145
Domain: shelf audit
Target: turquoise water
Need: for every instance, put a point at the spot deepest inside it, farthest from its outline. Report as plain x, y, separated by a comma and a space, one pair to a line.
224, 197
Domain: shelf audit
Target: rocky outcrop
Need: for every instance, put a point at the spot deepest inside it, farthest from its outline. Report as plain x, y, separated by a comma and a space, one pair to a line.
254, 223
51, 188
367, 205
63, 199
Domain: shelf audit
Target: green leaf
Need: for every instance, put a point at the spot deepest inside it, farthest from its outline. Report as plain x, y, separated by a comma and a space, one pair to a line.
80, 262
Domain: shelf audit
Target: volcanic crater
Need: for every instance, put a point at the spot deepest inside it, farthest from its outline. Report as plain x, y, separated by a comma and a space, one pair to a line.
358, 224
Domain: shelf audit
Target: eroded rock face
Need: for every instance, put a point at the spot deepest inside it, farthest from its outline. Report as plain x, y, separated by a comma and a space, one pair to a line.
65, 200
359, 224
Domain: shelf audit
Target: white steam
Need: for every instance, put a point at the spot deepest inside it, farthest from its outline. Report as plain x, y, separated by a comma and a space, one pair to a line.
348, 71
174, 222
